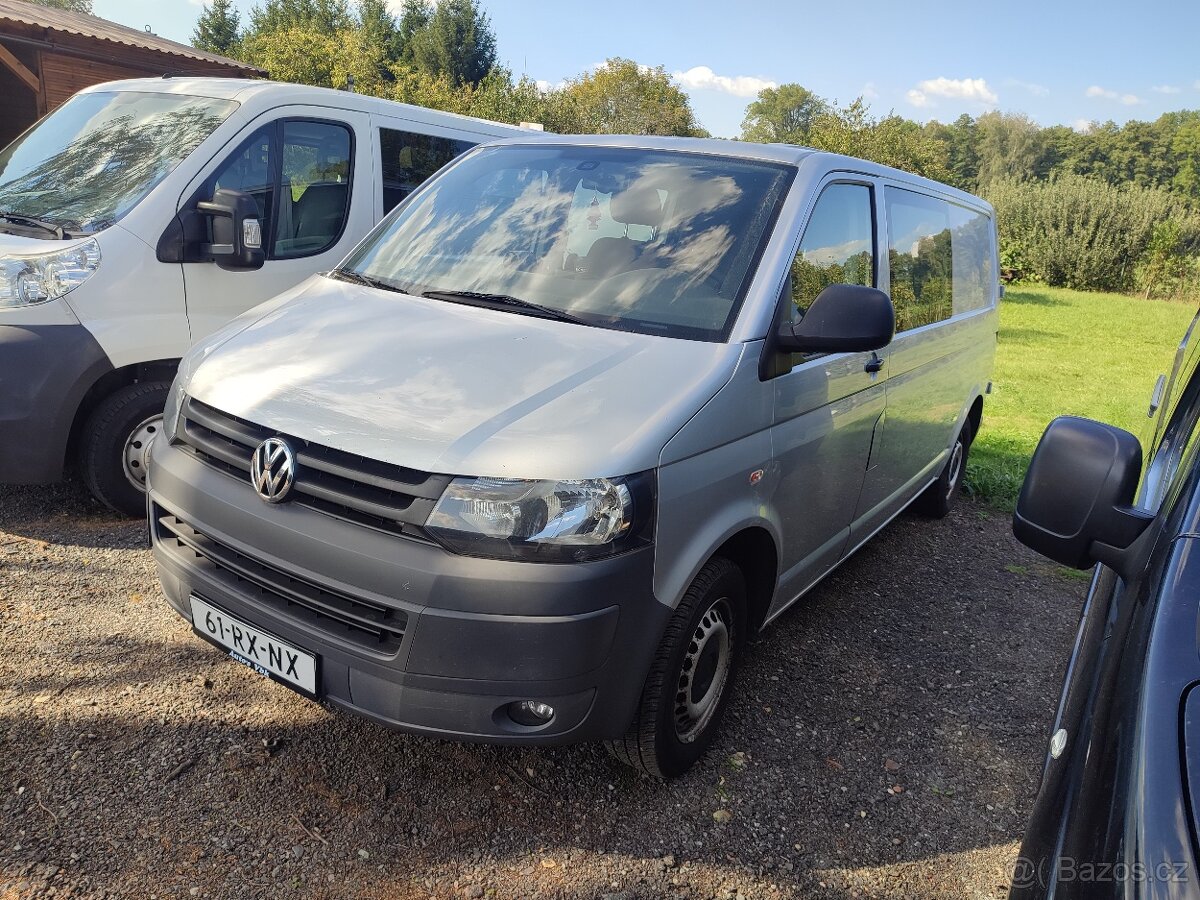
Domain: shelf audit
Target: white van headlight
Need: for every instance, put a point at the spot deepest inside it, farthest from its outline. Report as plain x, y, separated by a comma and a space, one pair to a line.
545, 521
36, 278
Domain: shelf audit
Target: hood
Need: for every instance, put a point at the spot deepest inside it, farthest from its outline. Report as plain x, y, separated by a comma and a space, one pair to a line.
453, 389
27, 246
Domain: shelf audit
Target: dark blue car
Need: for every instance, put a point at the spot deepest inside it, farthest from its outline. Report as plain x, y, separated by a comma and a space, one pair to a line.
1117, 811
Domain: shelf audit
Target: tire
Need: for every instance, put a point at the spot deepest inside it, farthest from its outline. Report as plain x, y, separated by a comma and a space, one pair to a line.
937, 499
118, 428
659, 742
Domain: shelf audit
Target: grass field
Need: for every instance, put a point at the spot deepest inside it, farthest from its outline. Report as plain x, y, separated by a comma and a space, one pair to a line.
1067, 352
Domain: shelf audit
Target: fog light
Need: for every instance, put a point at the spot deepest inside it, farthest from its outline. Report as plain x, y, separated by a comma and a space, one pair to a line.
530, 712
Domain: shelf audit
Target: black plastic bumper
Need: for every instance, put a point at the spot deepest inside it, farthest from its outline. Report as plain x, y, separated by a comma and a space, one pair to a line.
44, 373
460, 638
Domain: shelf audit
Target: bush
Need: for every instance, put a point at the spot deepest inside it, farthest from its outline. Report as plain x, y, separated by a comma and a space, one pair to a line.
1081, 233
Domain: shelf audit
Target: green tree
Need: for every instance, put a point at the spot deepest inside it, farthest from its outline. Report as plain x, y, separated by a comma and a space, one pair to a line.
961, 141
782, 115
326, 16
414, 18
378, 27
307, 55
83, 6
457, 41
218, 29
1010, 145
621, 97
1185, 146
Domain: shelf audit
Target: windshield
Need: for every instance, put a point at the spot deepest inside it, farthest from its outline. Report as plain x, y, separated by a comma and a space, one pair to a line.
658, 242
90, 161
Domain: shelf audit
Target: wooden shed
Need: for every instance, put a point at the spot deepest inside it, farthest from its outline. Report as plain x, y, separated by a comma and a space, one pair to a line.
48, 54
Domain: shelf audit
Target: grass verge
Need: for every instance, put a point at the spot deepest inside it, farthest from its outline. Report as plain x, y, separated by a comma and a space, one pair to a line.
1065, 352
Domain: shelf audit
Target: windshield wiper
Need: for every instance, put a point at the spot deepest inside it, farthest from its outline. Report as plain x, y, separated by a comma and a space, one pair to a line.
485, 299
364, 280
30, 222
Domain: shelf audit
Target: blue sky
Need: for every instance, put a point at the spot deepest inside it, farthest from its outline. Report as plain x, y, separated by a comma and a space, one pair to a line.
1061, 61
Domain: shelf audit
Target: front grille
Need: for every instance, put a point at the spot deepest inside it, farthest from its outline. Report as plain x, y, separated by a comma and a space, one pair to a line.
368, 624
345, 485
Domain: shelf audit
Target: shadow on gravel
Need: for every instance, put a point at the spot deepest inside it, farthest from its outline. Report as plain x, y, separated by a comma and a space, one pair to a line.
893, 721
63, 514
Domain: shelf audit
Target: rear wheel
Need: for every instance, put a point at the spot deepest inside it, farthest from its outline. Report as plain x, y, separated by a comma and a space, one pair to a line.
116, 437
937, 499
690, 678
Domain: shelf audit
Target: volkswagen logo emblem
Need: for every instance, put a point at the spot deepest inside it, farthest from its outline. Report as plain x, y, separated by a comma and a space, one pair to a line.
273, 470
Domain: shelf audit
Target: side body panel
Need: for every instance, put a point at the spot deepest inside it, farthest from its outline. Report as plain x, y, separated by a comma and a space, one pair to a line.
935, 374
705, 490
133, 304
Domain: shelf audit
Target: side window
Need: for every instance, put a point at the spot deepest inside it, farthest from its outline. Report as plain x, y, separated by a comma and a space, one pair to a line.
838, 246
314, 198
920, 258
409, 158
250, 169
972, 246
298, 173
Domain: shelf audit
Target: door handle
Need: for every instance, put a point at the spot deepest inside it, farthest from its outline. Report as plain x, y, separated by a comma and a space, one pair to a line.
874, 364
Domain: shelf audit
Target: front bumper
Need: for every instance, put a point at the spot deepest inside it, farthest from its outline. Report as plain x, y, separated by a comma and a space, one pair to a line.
408, 634
45, 371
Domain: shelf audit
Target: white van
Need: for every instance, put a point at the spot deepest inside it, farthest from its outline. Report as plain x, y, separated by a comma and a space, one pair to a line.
143, 214
580, 416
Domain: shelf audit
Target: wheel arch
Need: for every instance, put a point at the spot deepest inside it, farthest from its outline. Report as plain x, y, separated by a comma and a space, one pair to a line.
110, 381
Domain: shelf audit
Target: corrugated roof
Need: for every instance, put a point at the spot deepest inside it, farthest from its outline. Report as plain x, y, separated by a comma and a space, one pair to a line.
83, 25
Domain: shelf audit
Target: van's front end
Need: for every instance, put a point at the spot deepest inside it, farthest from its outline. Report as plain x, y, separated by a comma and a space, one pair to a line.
81, 292
426, 489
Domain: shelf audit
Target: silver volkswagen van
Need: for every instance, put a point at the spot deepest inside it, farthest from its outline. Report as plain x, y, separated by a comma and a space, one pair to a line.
571, 424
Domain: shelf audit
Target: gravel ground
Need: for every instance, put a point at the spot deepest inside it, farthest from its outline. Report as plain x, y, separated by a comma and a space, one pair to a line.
885, 739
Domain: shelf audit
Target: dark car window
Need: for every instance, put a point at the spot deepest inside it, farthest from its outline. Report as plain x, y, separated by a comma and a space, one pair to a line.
299, 173
409, 158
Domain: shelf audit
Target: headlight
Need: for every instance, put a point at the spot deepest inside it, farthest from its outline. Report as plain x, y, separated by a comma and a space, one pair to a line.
545, 521
26, 280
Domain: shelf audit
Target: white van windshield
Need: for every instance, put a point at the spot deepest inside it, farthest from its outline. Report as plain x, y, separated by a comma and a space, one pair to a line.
653, 241
90, 161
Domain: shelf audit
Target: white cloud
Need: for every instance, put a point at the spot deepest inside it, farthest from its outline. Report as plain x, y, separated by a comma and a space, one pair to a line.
869, 91
1083, 126
702, 78
975, 90
916, 98
1165, 89
1038, 90
1105, 94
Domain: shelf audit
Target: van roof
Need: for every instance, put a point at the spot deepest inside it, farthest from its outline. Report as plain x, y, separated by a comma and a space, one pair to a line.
817, 162
283, 93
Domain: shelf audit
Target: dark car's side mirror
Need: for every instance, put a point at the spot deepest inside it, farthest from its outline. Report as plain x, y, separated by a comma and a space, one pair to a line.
237, 235
1076, 504
844, 318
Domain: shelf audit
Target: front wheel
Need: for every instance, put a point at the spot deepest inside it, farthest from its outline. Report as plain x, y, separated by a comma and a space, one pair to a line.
690, 678
937, 499
116, 437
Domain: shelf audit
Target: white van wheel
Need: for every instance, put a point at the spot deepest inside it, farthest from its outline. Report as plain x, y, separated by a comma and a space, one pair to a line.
113, 445
137, 447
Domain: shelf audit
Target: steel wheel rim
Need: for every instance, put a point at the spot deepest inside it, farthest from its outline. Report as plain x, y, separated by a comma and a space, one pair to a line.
956, 461
704, 671
137, 449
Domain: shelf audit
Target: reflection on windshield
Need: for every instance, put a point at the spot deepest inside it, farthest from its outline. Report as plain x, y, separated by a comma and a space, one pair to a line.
90, 161
653, 241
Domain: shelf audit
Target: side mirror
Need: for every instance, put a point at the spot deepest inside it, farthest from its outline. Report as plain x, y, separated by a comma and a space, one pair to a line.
1076, 504
237, 236
843, 318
